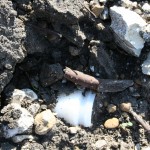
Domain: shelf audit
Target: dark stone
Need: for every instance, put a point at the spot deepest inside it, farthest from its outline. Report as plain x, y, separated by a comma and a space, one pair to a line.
101, 60
72, 33
50, 74
35, 42
108, 85
7, 145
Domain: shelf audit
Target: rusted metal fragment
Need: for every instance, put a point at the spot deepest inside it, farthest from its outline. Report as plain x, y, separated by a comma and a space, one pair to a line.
81, 79
108, 85
99, 85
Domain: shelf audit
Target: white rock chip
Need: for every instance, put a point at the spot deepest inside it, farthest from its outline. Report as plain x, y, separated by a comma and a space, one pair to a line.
44, 121
75, 108
23, 123
146, 66
20, 138
19, 95
146, 7
126, 25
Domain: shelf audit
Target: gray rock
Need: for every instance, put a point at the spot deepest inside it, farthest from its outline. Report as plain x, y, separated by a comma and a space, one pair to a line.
64, 12
109, 85
126, 26
11, 41
146, 65
137, 147
145, 32
7, 146
20, 138
18, 120
104, 14
50, 74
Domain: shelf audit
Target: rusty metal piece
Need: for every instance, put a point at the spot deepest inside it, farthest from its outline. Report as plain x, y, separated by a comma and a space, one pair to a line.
81, 79
99, 85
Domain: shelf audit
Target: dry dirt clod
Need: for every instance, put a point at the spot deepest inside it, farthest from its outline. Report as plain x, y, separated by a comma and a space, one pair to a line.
111, 108
111, 123
44, 121
19, 120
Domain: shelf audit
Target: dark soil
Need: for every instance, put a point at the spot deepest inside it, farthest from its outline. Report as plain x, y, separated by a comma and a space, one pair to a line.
48, 43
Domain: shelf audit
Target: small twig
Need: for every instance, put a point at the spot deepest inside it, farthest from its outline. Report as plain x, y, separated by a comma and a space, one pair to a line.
80, 78
127, 108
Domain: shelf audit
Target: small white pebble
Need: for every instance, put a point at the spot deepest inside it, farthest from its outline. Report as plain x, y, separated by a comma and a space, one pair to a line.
146, 7
92, 68
64, 81
75, 108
